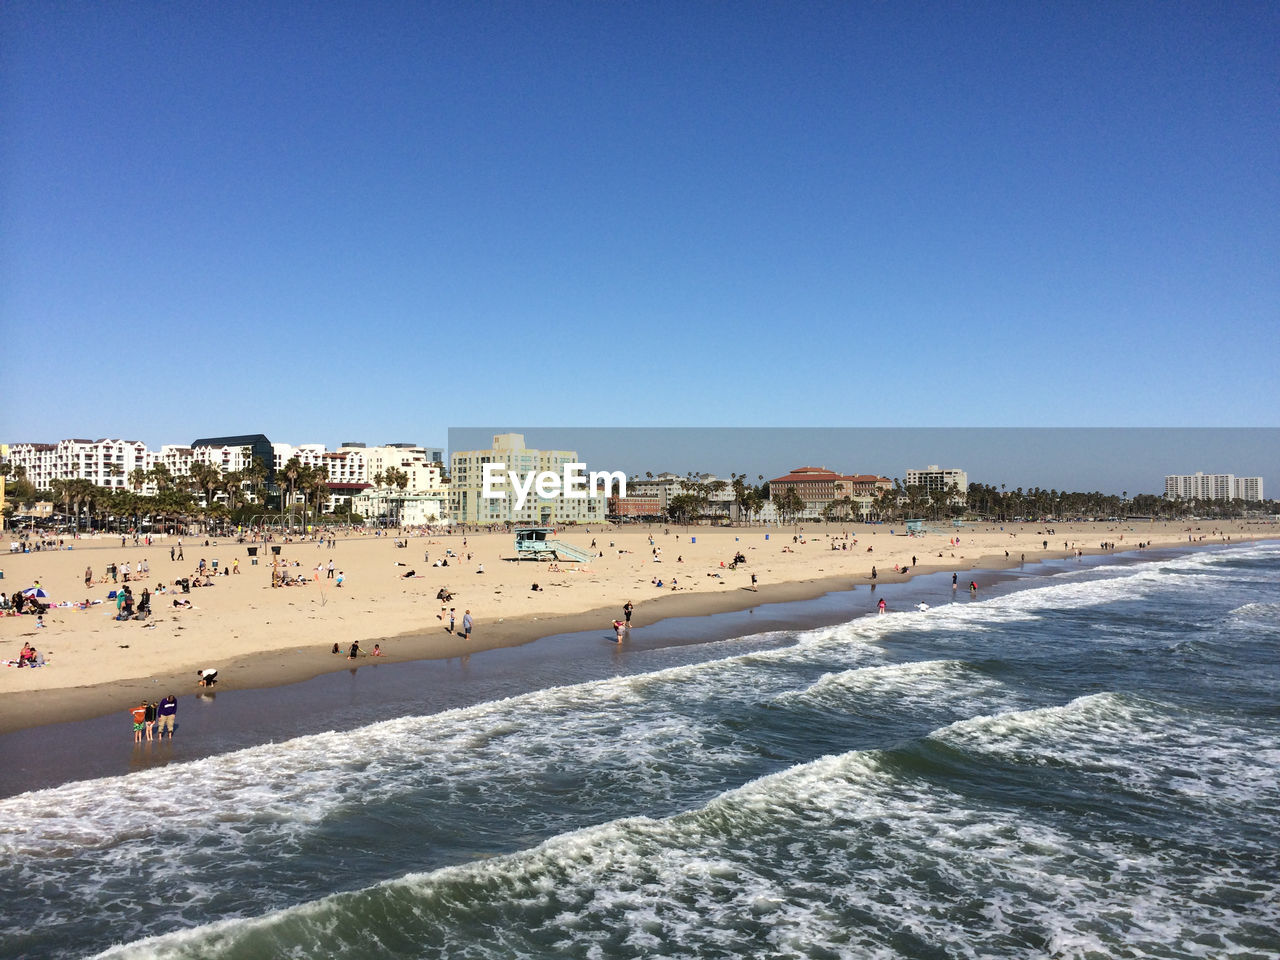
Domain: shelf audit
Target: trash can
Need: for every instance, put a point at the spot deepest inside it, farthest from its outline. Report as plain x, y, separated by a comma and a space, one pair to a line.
275, 551
253, 551
215, 564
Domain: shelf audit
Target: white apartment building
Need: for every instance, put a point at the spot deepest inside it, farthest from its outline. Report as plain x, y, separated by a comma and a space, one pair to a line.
1212, 486
1249, 488
426, 475
108, 462
402, 509
105, 462
935, 477
466, 486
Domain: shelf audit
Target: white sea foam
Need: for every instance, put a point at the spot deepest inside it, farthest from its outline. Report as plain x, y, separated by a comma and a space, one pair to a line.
915, 688
842, 856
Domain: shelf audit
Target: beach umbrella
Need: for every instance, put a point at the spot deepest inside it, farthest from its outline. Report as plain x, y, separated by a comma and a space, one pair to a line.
36, 592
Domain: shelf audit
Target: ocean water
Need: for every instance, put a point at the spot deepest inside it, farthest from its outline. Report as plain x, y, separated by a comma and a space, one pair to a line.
1084, 766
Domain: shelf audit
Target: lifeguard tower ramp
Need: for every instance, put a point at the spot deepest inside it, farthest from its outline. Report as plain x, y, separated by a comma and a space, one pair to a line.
539, 543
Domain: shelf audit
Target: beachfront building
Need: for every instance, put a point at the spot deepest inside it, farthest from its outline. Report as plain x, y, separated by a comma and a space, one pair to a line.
1212, 486
1249, 488
387, 506
817, 489
467, 504
936, 478
426, 474
633, 507
105, 462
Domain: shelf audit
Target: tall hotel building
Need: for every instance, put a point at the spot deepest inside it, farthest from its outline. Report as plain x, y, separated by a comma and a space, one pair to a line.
1212, 486
467, 504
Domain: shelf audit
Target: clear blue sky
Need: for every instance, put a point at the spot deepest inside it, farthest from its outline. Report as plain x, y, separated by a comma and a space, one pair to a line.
377, 221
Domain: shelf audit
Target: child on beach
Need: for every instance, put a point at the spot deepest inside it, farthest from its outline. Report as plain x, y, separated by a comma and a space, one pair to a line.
139, 714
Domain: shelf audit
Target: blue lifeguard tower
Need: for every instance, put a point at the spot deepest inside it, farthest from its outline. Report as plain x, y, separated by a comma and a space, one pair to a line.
540, 543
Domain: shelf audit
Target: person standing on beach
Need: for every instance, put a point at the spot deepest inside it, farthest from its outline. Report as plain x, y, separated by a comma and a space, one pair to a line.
753, 581
954, 581
626, 613
330, 576
149, 718
167, 712
880, 606
452, 619
873, 573
466, 625
139, 714
88, 576
171, 552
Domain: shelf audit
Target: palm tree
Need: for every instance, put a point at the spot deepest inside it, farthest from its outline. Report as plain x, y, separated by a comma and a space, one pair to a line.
255, 474
162, 476
314, 484
137, 478
233, 486
207, 479
292, 470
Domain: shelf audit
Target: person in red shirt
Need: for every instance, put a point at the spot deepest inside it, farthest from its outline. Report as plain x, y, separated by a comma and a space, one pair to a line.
139, 714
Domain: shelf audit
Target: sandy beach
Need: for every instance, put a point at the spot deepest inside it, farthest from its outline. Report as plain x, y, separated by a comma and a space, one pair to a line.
260, 636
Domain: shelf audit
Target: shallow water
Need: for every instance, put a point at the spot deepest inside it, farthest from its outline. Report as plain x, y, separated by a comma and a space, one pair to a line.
1081, 766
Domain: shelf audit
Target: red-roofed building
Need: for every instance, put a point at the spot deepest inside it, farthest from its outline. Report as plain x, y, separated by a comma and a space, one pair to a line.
818, 487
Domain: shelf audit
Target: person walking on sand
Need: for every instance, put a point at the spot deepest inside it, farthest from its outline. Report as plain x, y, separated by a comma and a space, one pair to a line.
466, 625
753, 582
179, 549
139, 714
88, 576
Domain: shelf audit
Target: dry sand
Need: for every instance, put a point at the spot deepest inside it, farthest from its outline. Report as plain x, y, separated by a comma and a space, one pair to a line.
260, 636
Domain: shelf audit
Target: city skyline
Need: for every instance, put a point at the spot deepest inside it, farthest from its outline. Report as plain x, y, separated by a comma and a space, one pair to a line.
312, 218
1112, 460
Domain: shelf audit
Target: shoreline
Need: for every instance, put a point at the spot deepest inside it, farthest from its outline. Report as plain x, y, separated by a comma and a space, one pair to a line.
347, 697
278, 667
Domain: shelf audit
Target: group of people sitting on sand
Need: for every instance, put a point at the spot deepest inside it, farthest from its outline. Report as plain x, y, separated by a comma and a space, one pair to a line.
125, 605
29, 657
20, 604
